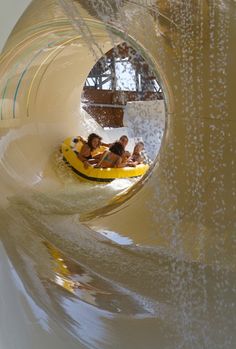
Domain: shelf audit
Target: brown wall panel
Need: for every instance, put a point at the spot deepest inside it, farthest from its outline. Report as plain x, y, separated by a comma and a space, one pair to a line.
106, 116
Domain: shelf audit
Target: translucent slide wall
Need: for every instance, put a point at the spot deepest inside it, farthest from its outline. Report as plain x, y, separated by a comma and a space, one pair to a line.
169, 279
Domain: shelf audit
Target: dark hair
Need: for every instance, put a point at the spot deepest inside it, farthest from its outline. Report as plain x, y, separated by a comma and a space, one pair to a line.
91, 138
117, 148
139, 143
124, 136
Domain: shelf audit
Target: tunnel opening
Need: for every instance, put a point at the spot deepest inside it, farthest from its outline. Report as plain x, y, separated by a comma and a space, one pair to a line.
119, 77
121, 91
122, 96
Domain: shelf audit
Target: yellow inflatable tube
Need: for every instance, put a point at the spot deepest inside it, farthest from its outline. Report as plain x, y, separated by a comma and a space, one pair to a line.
98, 174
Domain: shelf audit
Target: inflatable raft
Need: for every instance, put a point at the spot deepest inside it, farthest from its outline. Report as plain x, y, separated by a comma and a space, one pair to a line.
69, 149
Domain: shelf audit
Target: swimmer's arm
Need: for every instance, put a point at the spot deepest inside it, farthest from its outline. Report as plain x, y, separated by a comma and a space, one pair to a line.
119, 163
85, 151
132, 163
106, 144
96, 159
81, 139
141, 160
98, 156
83, 154
125, 157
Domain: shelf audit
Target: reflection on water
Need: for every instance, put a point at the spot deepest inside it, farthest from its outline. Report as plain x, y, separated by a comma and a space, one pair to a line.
98, 286
84, 302
132, 285
122, 240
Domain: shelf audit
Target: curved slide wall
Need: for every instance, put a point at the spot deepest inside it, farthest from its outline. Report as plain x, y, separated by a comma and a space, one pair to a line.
174, 285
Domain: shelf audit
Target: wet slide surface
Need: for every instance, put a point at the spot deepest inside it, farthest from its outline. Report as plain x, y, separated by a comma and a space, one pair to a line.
129, 264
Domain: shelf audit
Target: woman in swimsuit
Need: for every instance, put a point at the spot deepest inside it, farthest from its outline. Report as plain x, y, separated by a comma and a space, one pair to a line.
126, 154
85, 153
112, 157
136, 157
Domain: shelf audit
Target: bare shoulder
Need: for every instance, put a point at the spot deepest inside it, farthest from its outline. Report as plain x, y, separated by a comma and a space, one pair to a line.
85, 149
